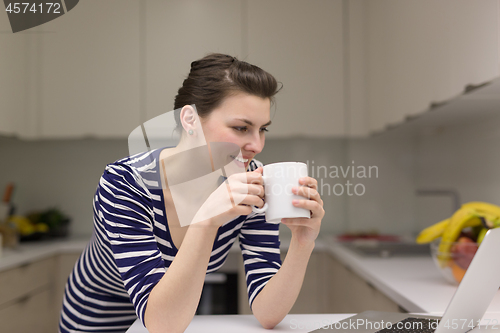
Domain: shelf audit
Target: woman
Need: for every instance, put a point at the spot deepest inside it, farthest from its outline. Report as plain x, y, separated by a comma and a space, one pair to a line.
142, 262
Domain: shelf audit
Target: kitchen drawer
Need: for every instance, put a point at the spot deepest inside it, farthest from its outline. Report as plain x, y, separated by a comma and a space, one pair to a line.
29, 314
20, 281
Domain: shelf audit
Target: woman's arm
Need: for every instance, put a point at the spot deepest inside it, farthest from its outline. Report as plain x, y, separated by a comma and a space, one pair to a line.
173, 301
276, 299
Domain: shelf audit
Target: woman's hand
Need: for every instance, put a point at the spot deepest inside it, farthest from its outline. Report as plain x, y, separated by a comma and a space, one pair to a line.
304, 230
245, 189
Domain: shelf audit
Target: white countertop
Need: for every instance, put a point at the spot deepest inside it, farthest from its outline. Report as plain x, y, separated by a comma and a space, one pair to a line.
414, 283
28, 252
249, 324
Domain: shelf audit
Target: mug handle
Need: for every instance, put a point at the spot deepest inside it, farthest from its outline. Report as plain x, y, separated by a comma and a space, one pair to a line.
260, 210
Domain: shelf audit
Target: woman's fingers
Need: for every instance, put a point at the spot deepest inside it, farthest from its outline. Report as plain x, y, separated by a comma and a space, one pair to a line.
249, 200
308, 193
309, 182
315, 207
257, 190
255, 178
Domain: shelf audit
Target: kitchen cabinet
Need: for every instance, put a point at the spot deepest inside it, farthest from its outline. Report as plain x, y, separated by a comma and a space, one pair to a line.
301, 44
423, 52
25, 297
312, 297
76, 76
31, 294
348, 293
15, 86
179, 32
90, 71
64, 263
348, 68
329, 287
29, 314
103, 79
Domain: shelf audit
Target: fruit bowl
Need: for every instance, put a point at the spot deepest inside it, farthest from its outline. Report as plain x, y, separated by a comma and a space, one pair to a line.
454, 264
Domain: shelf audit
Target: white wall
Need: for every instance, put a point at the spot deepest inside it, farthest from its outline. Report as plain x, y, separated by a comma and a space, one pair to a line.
464, 157
57, 173
388, 205
65, 173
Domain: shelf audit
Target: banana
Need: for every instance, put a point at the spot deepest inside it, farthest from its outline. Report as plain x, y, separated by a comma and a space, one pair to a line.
481, 235
483, 207
463, 218
470, 214
433, 232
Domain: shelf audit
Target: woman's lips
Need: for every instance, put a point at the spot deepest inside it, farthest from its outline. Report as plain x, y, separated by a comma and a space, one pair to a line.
240, 161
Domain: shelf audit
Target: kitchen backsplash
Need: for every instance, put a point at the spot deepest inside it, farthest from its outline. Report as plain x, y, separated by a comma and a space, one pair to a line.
366, 184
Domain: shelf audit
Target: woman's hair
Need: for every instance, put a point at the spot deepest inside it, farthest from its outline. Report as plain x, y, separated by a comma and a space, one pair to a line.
217, 76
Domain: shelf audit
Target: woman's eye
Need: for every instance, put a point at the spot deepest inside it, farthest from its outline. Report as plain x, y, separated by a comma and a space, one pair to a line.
264, 129
240, 128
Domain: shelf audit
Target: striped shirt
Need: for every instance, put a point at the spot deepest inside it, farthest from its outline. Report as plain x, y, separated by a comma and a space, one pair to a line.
131, 249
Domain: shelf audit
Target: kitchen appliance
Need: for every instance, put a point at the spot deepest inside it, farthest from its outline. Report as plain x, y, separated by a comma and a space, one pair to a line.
219, 295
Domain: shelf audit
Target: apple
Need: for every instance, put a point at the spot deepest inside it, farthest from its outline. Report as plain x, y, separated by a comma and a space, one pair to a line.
463, 251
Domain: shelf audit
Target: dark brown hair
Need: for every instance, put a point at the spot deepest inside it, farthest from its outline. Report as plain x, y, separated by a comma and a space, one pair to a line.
217, 76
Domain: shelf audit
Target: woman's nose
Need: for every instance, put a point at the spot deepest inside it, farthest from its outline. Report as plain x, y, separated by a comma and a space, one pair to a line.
255, 145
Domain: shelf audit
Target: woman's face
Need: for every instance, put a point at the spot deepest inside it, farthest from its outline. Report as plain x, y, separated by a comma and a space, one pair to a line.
241, 119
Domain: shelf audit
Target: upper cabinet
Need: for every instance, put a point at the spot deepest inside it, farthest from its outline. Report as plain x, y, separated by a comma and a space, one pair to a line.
90, 71
14, 83
75, 76
420, 52
301, 44
179, 32
348, 67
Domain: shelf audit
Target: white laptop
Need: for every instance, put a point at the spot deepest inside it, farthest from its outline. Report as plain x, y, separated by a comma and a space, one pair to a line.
468, 305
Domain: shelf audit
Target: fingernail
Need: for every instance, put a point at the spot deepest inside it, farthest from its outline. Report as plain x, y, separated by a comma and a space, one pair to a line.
295, 202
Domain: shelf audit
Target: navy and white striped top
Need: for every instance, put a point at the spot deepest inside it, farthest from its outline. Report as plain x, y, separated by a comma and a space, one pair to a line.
131, 249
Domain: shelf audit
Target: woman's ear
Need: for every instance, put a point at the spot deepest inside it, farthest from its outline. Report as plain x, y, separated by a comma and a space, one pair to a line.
189, 119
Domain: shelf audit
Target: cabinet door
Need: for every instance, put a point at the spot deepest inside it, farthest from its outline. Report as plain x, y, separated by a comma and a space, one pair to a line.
16, 86
64, 265
425, 51
349, 293
300, 43
25, 279
29, 314
311, 298
89, 71
179, 32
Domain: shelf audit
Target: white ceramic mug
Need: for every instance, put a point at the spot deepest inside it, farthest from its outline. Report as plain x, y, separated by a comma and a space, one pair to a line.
279, 179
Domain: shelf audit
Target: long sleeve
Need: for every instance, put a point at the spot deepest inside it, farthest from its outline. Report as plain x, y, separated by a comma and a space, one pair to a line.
260, 247
126, 211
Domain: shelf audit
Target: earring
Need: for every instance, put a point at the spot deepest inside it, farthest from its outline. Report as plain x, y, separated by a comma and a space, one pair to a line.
190, 132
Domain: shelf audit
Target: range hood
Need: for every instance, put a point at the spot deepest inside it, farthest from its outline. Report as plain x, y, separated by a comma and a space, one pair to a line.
476, 104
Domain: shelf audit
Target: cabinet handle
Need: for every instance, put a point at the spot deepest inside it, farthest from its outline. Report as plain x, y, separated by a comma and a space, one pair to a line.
24, 266
24, 299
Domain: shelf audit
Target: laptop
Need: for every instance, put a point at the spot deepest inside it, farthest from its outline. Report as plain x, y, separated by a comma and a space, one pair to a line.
468, 305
